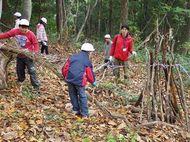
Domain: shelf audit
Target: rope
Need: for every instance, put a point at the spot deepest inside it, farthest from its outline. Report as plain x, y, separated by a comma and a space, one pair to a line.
111, 66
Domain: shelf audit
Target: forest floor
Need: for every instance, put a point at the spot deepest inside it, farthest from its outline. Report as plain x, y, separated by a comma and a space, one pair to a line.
25, 117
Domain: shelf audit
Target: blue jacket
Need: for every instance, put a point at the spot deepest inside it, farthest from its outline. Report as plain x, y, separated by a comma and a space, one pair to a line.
78, 69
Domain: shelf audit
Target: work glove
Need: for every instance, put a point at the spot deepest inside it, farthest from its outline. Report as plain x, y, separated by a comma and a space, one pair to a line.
111, 58
94, 84
134, 53
44, 43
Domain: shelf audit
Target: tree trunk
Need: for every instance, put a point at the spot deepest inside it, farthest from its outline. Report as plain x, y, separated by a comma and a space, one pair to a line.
99, 18
40, 9
27, 9
82, 27
186, 29
77, 11
110, 16
124, 11
0, 8
65, 19
4, 60
6, 13
59, 9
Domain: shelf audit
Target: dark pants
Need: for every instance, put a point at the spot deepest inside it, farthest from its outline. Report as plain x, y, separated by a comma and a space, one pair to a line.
21, 65
44, 48
78, 99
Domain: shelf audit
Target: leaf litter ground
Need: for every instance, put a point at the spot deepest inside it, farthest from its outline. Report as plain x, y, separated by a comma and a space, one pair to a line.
25, 116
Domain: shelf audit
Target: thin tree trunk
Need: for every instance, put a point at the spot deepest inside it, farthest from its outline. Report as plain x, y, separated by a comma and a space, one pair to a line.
77, 11
0, 8
40, 10
99, 17
86, 18
6, 13
124, 11
82, 27
59, 17
110, 16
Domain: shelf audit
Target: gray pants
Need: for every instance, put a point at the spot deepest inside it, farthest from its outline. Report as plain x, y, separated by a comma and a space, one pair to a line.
124, 65
22, 63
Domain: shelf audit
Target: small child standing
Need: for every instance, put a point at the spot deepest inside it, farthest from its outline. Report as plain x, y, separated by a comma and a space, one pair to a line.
77, 71
107, 48
17, 16
41, 35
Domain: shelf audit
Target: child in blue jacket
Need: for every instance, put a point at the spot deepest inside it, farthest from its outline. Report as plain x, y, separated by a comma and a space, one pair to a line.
77, 71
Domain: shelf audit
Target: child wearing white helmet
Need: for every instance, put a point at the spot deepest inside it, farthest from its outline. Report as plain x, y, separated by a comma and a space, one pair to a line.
27, 40
107, 47
17, 16
77, 71
41, 35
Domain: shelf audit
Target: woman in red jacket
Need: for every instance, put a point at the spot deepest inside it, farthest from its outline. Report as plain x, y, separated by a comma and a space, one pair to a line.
121, 49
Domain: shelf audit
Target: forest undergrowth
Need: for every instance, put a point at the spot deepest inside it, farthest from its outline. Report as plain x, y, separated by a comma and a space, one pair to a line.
48, 118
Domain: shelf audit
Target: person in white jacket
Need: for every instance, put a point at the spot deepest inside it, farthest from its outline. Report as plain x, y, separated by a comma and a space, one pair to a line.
17, 16
41, 35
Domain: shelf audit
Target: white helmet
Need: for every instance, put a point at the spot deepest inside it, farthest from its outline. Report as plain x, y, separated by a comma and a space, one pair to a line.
17, 14
44, 20
24, 22
87, 47
107, 36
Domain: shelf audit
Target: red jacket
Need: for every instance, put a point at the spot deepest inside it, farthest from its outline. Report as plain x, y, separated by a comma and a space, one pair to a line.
26, 40
121, 48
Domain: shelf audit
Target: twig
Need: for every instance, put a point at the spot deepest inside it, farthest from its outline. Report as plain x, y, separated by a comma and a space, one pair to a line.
158, 123
110, 114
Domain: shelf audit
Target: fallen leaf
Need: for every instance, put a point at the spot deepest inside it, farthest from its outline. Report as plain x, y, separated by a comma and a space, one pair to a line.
122, 126
9, 135
112, 123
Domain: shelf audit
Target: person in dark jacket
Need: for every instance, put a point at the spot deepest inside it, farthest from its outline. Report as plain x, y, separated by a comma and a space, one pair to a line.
122, 47
77, 71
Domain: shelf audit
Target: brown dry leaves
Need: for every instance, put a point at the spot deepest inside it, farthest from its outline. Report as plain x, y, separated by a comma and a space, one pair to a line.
48, 118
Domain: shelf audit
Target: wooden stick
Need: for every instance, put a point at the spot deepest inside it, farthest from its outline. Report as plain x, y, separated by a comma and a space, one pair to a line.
158, 123
110, 114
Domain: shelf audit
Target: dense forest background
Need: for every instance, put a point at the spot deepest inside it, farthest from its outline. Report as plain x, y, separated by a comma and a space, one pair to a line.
77, 20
